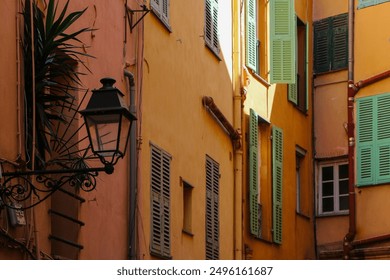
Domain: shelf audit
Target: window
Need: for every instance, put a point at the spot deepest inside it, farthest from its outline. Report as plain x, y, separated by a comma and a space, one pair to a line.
187, 208
299, 159
333, 189
373, 140
160, 203
277, 183
211, 26
282, 41
298, 92
366, 3
331, 44
212, 209
161, 9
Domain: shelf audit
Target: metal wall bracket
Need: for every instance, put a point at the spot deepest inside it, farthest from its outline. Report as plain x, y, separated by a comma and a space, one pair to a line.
130, 15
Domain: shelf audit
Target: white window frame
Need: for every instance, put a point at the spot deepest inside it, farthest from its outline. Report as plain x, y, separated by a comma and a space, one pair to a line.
336, 189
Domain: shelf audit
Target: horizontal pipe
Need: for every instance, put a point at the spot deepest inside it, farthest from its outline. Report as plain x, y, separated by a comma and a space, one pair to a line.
372, 80
371, 240
208, 102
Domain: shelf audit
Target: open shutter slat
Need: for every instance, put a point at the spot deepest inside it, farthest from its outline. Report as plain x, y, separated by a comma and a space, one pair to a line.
277, 182
340, 41
253, 173
383, 138
282, 41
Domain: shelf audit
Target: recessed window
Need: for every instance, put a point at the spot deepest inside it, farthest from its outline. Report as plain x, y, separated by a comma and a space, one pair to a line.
333, 189
187, 208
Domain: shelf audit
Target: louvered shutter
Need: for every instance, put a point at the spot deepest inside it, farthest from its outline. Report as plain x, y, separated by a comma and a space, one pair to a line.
293, 93
160, 203
282, 41
322, 38
212, 209
277, 183
155, 5
253, 174
307, 72
211, 25
251, 35
165, 11
365, 141
383, 138
340, 42
367, 3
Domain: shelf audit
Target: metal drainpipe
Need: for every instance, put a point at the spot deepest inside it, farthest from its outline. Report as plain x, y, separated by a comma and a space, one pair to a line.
349, 237
133, 171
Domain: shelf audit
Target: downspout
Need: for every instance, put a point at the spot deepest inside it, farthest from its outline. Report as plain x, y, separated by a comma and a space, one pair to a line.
351, 134
237, 123
133, 171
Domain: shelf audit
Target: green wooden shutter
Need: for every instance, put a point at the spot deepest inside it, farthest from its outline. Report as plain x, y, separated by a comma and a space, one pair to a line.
251, 34
307, 72
365, 141
160, 203
367, 3
212, 209
383, 138
277, 183
322, 38
340, 42
293, 93
253, 174
282, 56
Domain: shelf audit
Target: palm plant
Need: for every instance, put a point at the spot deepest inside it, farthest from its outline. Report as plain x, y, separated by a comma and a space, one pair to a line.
55, 55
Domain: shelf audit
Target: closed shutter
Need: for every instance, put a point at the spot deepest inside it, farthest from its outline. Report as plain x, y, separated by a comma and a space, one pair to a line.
251, 35
340, 42
322, 38
293, 93
253, 174
383, 138
160, 203
212, 209
277, 182
282, 41
365, 141
211, 25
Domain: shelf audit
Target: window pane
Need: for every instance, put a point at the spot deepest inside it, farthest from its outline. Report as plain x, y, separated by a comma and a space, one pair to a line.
327, 189
343, 171
327, 173
327, 204
344, 203
343, 187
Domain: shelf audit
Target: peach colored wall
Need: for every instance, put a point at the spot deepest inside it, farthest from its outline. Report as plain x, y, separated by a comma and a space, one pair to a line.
325, 8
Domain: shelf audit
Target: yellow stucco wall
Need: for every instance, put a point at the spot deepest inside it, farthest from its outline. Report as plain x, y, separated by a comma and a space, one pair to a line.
178, 71
271, 104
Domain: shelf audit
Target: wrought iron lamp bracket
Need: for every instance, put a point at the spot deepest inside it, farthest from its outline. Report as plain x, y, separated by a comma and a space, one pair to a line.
38, 185
130, 15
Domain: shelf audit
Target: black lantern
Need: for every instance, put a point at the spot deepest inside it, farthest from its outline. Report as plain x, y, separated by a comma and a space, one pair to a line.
108, 122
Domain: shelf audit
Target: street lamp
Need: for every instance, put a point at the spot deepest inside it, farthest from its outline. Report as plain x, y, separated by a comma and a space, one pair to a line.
108, 122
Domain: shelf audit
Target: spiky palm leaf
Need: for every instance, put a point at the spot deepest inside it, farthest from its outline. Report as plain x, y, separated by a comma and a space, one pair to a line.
57, 55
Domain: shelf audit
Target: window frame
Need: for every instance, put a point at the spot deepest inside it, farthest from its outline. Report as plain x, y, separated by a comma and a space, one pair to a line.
368, 3
336, 188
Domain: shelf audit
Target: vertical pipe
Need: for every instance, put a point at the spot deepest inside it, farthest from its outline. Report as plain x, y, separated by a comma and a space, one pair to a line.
351, 134
133, 170
237, 122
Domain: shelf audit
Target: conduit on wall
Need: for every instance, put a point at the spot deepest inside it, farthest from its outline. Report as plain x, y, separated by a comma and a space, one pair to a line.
234, 135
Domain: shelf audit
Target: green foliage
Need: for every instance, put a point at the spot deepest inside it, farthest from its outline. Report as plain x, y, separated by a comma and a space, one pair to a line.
58, 55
